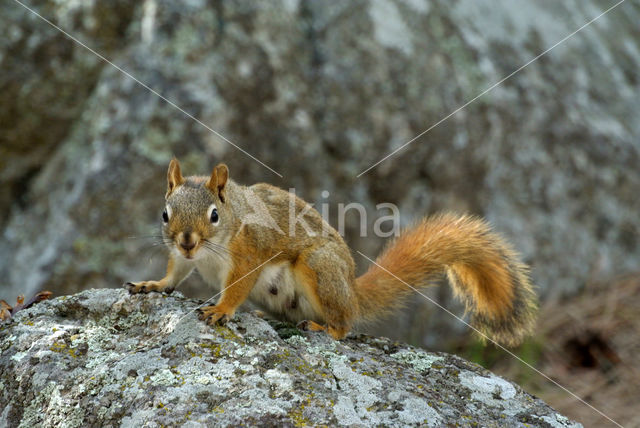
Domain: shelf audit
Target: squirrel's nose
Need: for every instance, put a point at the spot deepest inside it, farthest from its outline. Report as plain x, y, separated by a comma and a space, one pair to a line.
188, 245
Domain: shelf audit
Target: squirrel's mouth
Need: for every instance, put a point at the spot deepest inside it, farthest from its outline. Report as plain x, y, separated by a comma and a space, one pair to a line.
189, 254
188, 245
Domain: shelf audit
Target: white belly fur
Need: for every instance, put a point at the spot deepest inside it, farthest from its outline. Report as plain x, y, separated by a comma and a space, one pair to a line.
213, 270
278, 293
289, 301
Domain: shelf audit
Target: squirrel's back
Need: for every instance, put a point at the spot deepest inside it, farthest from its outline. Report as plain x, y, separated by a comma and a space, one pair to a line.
274, 211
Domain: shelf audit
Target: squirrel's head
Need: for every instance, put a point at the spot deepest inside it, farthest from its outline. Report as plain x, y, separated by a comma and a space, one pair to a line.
197, 216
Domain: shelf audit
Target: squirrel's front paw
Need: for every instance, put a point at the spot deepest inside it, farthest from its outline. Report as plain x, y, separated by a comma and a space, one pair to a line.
214, 314
146, 287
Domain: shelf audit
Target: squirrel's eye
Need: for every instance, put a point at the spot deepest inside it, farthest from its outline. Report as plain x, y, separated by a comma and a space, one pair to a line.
214, 216
166, 214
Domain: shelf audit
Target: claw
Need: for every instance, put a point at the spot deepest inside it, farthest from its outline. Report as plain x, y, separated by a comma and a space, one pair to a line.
303, 325
308, 325
258, 313
6, 311
39, 297
135, 289
213, 315
129, 286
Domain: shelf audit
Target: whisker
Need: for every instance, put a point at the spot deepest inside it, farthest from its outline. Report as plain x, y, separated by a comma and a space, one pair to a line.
155, 247
154, 236
220, 247
215, 253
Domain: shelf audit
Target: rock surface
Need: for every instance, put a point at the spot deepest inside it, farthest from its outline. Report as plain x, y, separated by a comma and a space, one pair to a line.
319, 91
105, 358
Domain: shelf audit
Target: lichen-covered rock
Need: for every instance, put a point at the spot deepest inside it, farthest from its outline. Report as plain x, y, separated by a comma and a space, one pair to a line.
106, 358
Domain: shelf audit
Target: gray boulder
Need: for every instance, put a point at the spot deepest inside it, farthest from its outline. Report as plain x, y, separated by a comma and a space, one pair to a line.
106, 358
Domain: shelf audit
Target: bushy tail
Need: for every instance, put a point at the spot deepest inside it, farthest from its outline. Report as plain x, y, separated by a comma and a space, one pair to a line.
484, 272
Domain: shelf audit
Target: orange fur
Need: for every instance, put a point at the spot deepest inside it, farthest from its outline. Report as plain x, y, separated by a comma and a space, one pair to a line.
309, 280
311, 277
483, 270
238, 285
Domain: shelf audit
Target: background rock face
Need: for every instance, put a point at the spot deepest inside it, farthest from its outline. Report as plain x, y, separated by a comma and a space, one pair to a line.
319, 91
104, 358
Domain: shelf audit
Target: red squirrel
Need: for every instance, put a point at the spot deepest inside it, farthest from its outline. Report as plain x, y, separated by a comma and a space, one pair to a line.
310, 275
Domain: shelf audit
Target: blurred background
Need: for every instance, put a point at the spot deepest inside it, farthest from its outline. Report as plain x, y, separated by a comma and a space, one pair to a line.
320, 91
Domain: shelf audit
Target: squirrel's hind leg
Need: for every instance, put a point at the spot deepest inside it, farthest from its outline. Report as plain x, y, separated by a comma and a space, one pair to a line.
336, 333
324, 275
308, 325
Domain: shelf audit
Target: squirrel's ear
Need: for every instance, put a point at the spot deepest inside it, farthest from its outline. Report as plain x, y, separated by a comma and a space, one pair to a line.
174, 176
218, 180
